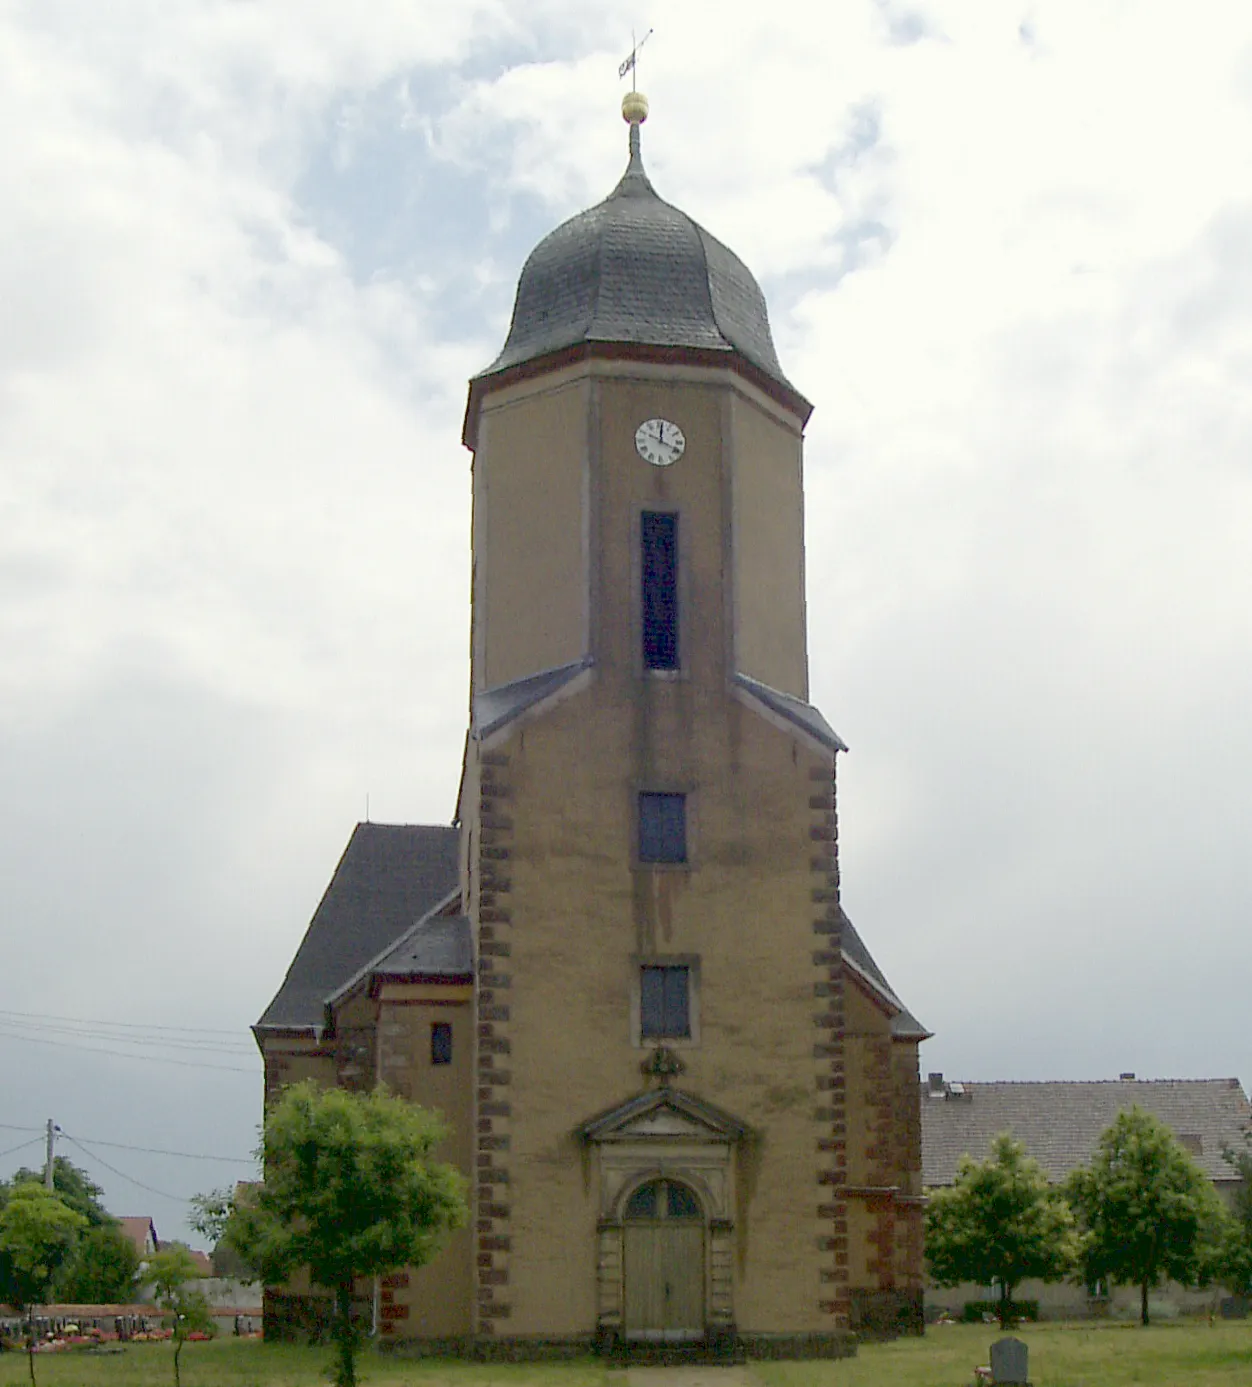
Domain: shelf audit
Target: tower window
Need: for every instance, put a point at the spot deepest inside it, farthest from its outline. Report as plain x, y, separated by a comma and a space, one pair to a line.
662, 827
659, 538
441, 1042
665, 1002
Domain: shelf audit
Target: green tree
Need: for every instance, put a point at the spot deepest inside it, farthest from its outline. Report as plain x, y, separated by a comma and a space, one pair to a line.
1147, 1212
75, 1187
351, 1190
1234, 1258
103, 1269
999, 1222
37, 1231
170, 1273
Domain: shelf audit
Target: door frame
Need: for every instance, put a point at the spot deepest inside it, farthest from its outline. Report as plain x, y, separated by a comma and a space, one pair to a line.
665, 1133
660, 1225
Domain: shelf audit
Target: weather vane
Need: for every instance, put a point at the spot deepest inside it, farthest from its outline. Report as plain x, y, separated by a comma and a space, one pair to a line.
632, 63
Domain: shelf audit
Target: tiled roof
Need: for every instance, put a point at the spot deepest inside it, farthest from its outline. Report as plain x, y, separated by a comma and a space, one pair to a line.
389, 876
634, 269
438, 946
137, 1230
1059, 1122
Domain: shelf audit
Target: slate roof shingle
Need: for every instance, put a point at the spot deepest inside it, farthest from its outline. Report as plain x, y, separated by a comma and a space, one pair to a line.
635, 269
1060, 1122
904, 1024
389, 877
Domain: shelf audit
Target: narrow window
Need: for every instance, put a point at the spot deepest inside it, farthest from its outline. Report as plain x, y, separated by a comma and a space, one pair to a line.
665, 1002
662, 828
440, 1042
659, 535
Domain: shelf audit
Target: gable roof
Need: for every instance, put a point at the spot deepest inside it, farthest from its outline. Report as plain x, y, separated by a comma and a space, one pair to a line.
140, 1232
1060, 1123
390, 875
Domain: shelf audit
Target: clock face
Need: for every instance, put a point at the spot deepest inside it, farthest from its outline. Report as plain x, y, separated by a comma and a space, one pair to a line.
659, 442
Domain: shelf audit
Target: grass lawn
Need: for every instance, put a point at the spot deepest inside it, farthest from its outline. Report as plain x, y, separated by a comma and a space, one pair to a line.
1196, 1355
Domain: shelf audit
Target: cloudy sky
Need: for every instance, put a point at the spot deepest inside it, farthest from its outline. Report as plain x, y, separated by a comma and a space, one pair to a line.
251, 250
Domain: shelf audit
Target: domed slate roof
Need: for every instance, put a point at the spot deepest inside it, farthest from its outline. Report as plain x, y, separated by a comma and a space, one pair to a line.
636, 270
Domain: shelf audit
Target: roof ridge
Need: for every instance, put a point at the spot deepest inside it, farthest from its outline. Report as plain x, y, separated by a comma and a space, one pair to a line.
1089, 1083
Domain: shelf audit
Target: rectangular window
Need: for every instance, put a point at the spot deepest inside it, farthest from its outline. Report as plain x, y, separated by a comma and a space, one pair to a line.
664, 1002
662, 828
440, 1042
659, 537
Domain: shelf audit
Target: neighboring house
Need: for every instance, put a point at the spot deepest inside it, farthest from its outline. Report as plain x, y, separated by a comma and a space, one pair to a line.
686, 1093
1059, 1123
141, 1233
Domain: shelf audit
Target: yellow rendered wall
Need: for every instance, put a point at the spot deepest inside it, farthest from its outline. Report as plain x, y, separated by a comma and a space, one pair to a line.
530, 579
290, 1062
768, 517
434, 1301
580, 909
580, 912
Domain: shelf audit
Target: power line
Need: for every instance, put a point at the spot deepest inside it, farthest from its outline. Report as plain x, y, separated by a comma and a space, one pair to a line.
22, 1028
130, 1036
125, 1025
95, 1156
9, 1127
186, 1155
21, 1146
123, 1054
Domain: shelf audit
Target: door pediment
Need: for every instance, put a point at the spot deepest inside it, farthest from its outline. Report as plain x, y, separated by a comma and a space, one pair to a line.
664, 1114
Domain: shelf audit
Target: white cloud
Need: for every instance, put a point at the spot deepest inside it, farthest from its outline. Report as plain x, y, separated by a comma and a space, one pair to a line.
233, 506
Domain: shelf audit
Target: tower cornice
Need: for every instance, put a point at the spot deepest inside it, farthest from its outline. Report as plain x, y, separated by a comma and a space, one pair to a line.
481, 386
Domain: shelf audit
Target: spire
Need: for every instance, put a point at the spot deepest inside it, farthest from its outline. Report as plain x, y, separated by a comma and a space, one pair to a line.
634, 181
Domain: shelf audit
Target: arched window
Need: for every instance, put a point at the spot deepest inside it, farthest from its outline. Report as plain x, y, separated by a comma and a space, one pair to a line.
662, 1200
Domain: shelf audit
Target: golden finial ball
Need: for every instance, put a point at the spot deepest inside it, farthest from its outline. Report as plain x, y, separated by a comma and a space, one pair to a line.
634, 108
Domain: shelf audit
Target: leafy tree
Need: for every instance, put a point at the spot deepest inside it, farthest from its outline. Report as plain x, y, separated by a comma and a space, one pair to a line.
351, 1190
999, 1222
170, 1273
37, 1231
103, 1269
1147, 1211
75, 1187
1234, 1257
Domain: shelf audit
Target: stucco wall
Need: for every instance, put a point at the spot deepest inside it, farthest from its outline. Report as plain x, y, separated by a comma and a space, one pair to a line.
433, 1301
529, 519
768, 517
564, 911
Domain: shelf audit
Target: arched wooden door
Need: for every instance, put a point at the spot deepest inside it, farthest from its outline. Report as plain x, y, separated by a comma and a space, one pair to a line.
663, 1263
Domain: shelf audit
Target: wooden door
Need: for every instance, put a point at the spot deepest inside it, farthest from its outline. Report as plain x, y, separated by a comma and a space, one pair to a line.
663, 1268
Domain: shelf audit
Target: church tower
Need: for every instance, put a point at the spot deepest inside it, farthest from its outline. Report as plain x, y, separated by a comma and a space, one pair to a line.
686, 1097
695, 1095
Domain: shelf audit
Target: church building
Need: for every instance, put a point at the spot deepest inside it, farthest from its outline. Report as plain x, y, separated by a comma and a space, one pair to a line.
685, 1095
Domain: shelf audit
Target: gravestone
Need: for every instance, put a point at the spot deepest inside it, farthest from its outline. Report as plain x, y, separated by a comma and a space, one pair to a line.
1008, 1361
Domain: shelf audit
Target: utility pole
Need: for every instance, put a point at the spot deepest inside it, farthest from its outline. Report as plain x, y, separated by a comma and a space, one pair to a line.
48, 1164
